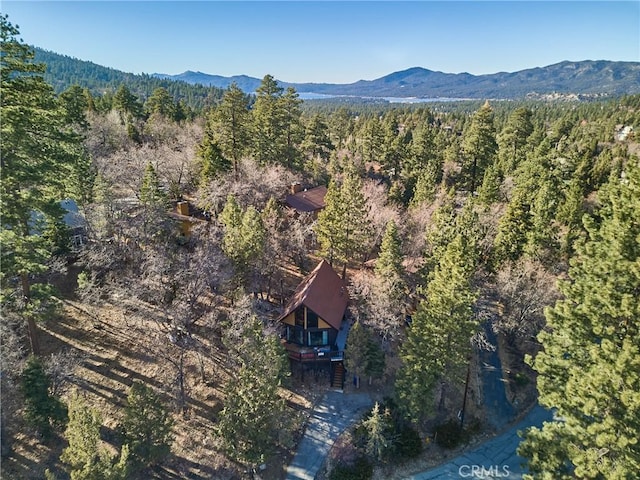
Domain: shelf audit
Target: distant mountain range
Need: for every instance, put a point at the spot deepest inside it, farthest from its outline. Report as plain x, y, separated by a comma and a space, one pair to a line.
585, 78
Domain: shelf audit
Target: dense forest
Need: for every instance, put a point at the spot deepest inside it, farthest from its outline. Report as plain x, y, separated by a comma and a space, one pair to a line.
135, 345
62, 72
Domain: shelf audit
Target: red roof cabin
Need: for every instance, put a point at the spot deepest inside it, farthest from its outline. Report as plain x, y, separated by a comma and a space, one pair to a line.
306, 200
314, 328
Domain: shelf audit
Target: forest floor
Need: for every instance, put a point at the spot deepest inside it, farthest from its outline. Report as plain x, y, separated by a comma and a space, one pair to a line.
114, 345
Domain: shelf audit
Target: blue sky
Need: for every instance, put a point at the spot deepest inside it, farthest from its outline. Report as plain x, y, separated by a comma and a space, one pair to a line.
330, 41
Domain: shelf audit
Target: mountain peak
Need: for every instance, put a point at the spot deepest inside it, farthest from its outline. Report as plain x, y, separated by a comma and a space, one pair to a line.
581, 78
409, 72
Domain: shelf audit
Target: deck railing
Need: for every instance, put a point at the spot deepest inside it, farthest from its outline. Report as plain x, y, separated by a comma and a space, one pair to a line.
319, 355
337, 355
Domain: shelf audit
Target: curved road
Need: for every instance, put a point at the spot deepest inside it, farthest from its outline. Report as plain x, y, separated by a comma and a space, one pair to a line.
496, 458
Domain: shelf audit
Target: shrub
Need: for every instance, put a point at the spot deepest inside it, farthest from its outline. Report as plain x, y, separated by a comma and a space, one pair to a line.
521, 379
147, 426
41, 409
361, 469
448, 434
408, 443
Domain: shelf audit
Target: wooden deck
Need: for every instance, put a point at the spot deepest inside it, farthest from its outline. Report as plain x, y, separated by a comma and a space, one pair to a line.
304, 354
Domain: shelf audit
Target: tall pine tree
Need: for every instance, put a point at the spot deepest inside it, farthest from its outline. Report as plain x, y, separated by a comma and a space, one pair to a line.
253, 411
342, 227
480, 146
230, 126
268, 122
147, 426
439, 340
41, 409
40, 151
589, 369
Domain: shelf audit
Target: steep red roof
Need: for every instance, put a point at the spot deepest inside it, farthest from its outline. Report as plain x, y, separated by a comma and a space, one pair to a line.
324, 292
308, 200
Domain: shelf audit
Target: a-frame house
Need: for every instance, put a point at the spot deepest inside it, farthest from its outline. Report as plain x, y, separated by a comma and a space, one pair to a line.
314, 330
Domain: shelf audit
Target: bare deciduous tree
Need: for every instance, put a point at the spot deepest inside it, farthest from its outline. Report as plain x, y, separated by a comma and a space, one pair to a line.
60, 367
254, 185
379, 210
378, 305
524, 289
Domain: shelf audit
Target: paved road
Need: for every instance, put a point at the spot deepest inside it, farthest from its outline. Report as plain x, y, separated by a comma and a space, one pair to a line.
498, 410
334, 414
495, 458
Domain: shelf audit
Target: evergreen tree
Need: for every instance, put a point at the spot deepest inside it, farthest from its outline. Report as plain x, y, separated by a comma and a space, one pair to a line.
268, 122
513, 140
423, 170
316, 140
375, 357
231, 218
160, 103
84, 455
150, 192
341, 124
528, 226
293, 131
389, 262
82, 433
490, 190
342, 226
75, 105
542, 241
372, 140
253, 236
252, 417
589, 368
327, 228
379, 431
441, 230
244, 237
40, 151
89, 100
390, 284
513, 227
356, 351
479, 144
210, 152
147, 426
229, 125
439, 339
395, 147
570, 213
127, 104
356, 230
424, 189
42, 410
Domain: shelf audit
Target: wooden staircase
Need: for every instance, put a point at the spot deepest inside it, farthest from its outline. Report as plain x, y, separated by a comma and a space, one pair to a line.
337, 380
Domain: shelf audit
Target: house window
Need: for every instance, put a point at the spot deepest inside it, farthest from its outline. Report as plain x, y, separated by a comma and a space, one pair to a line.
300, 317
320, 337
312, 319
295, 335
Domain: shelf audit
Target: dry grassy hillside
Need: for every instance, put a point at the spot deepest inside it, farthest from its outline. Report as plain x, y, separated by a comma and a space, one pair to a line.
114, 345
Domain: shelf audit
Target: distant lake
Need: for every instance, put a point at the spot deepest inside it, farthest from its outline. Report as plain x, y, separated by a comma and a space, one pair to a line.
323, 96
